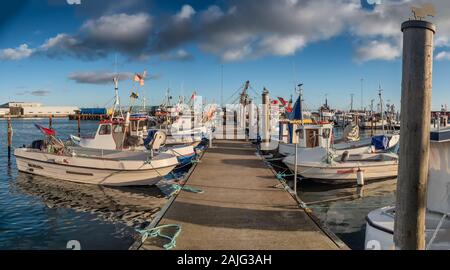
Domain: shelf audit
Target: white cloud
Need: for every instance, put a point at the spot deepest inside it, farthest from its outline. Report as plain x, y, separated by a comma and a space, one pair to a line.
21, 52
378, 50
185, 13
443, 56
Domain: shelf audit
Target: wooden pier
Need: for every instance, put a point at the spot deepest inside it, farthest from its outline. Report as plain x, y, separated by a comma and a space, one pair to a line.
243, 207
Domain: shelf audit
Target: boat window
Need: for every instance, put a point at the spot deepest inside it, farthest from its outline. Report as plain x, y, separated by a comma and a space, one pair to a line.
142, 124
118, 129
326, 133
105, 130
133, 126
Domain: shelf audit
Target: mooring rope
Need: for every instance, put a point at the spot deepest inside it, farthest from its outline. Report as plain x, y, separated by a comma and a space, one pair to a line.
156, 232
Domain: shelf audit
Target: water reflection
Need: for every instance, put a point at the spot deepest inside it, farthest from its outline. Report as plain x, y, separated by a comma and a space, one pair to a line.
132, 206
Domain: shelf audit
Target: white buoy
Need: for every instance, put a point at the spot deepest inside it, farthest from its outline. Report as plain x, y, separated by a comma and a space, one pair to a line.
360, 177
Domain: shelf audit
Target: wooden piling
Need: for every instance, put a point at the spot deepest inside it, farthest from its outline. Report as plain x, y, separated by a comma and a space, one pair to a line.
236, 127
409, 231
10, 136
50, 121
224, 123
79, 125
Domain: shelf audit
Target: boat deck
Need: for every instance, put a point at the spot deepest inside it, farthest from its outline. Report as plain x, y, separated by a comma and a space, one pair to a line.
241, 207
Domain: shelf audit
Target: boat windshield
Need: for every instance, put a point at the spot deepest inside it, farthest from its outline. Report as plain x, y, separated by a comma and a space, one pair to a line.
105, 130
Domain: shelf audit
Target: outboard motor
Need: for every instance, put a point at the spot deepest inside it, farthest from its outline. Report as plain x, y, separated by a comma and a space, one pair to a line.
158, 139
150, 136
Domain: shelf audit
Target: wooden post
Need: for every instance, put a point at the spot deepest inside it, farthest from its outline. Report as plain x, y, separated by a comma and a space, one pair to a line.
10, 135
224, 123
409, 231
50, 121
79, 125
265, 116
236, 126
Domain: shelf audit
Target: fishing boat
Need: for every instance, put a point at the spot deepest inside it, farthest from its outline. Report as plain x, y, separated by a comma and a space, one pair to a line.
51, 158
113, 135
302, 133
319, 163
380, 222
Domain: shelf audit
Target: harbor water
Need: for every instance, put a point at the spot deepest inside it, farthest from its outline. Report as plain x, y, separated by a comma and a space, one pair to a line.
40, 213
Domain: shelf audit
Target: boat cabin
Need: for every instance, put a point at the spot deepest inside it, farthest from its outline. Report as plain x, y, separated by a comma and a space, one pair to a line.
111, 135
307, 134
439, 172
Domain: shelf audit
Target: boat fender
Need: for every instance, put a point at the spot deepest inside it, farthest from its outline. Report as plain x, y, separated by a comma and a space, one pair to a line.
345, 156
360, 177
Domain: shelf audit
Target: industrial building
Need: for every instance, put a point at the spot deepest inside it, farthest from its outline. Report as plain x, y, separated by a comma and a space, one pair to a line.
32, 109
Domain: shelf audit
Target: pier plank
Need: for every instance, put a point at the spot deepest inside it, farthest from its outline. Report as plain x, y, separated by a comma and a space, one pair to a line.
240, 209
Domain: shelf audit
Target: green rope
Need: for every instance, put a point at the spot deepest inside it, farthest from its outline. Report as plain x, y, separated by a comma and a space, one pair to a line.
156, 232
177, 188
281, 176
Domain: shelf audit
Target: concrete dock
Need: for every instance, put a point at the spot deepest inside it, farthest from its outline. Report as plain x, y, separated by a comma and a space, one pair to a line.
243, 207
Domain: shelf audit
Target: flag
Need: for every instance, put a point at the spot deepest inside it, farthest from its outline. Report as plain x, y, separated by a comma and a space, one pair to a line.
134, 95
275, 102
282, 100
193, 95
141, 82
137, 77
46, 131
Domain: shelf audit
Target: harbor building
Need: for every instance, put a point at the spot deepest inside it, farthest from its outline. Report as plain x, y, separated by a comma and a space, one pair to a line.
33, 109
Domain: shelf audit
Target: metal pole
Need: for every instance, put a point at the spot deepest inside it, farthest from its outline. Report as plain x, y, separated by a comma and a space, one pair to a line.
295, 168
409, 231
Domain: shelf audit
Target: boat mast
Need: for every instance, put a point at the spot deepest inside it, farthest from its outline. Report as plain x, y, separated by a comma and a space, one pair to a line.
300, 92
380, 91
116, 95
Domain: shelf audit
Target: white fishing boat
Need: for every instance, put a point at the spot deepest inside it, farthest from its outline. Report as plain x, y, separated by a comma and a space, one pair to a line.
51, 158
380, 222
113, 135
320, 164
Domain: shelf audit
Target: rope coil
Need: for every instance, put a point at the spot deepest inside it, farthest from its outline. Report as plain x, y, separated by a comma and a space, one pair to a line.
156, 232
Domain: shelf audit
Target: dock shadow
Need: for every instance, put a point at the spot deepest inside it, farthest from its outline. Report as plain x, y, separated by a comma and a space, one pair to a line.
240, 218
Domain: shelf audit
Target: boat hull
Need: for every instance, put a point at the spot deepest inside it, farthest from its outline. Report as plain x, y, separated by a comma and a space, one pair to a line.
97, 172
347, 173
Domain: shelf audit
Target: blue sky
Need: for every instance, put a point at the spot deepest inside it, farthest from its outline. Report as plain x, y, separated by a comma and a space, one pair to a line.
61, 54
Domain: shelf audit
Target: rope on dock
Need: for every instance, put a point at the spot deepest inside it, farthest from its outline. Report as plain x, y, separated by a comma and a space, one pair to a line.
156, 232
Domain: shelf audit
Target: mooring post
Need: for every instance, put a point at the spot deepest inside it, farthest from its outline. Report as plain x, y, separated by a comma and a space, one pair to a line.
10, 135
224, 123
79, 125
409, 231
265, 116
50, 121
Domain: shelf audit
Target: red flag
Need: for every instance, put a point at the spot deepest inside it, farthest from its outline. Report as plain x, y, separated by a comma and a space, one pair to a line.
193, 95
137, 77
46, 131
274, 102
282, 100
289, 108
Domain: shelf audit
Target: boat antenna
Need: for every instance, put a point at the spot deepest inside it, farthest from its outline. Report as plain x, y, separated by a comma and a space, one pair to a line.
380, 94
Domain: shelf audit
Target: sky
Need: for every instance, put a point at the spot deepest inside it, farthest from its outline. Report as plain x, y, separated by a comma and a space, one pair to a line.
65, 52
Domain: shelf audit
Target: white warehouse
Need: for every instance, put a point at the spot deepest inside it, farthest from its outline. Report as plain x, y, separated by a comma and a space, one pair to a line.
48, 110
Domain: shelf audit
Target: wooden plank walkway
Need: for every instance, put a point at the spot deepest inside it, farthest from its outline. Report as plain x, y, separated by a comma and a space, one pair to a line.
240, 208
